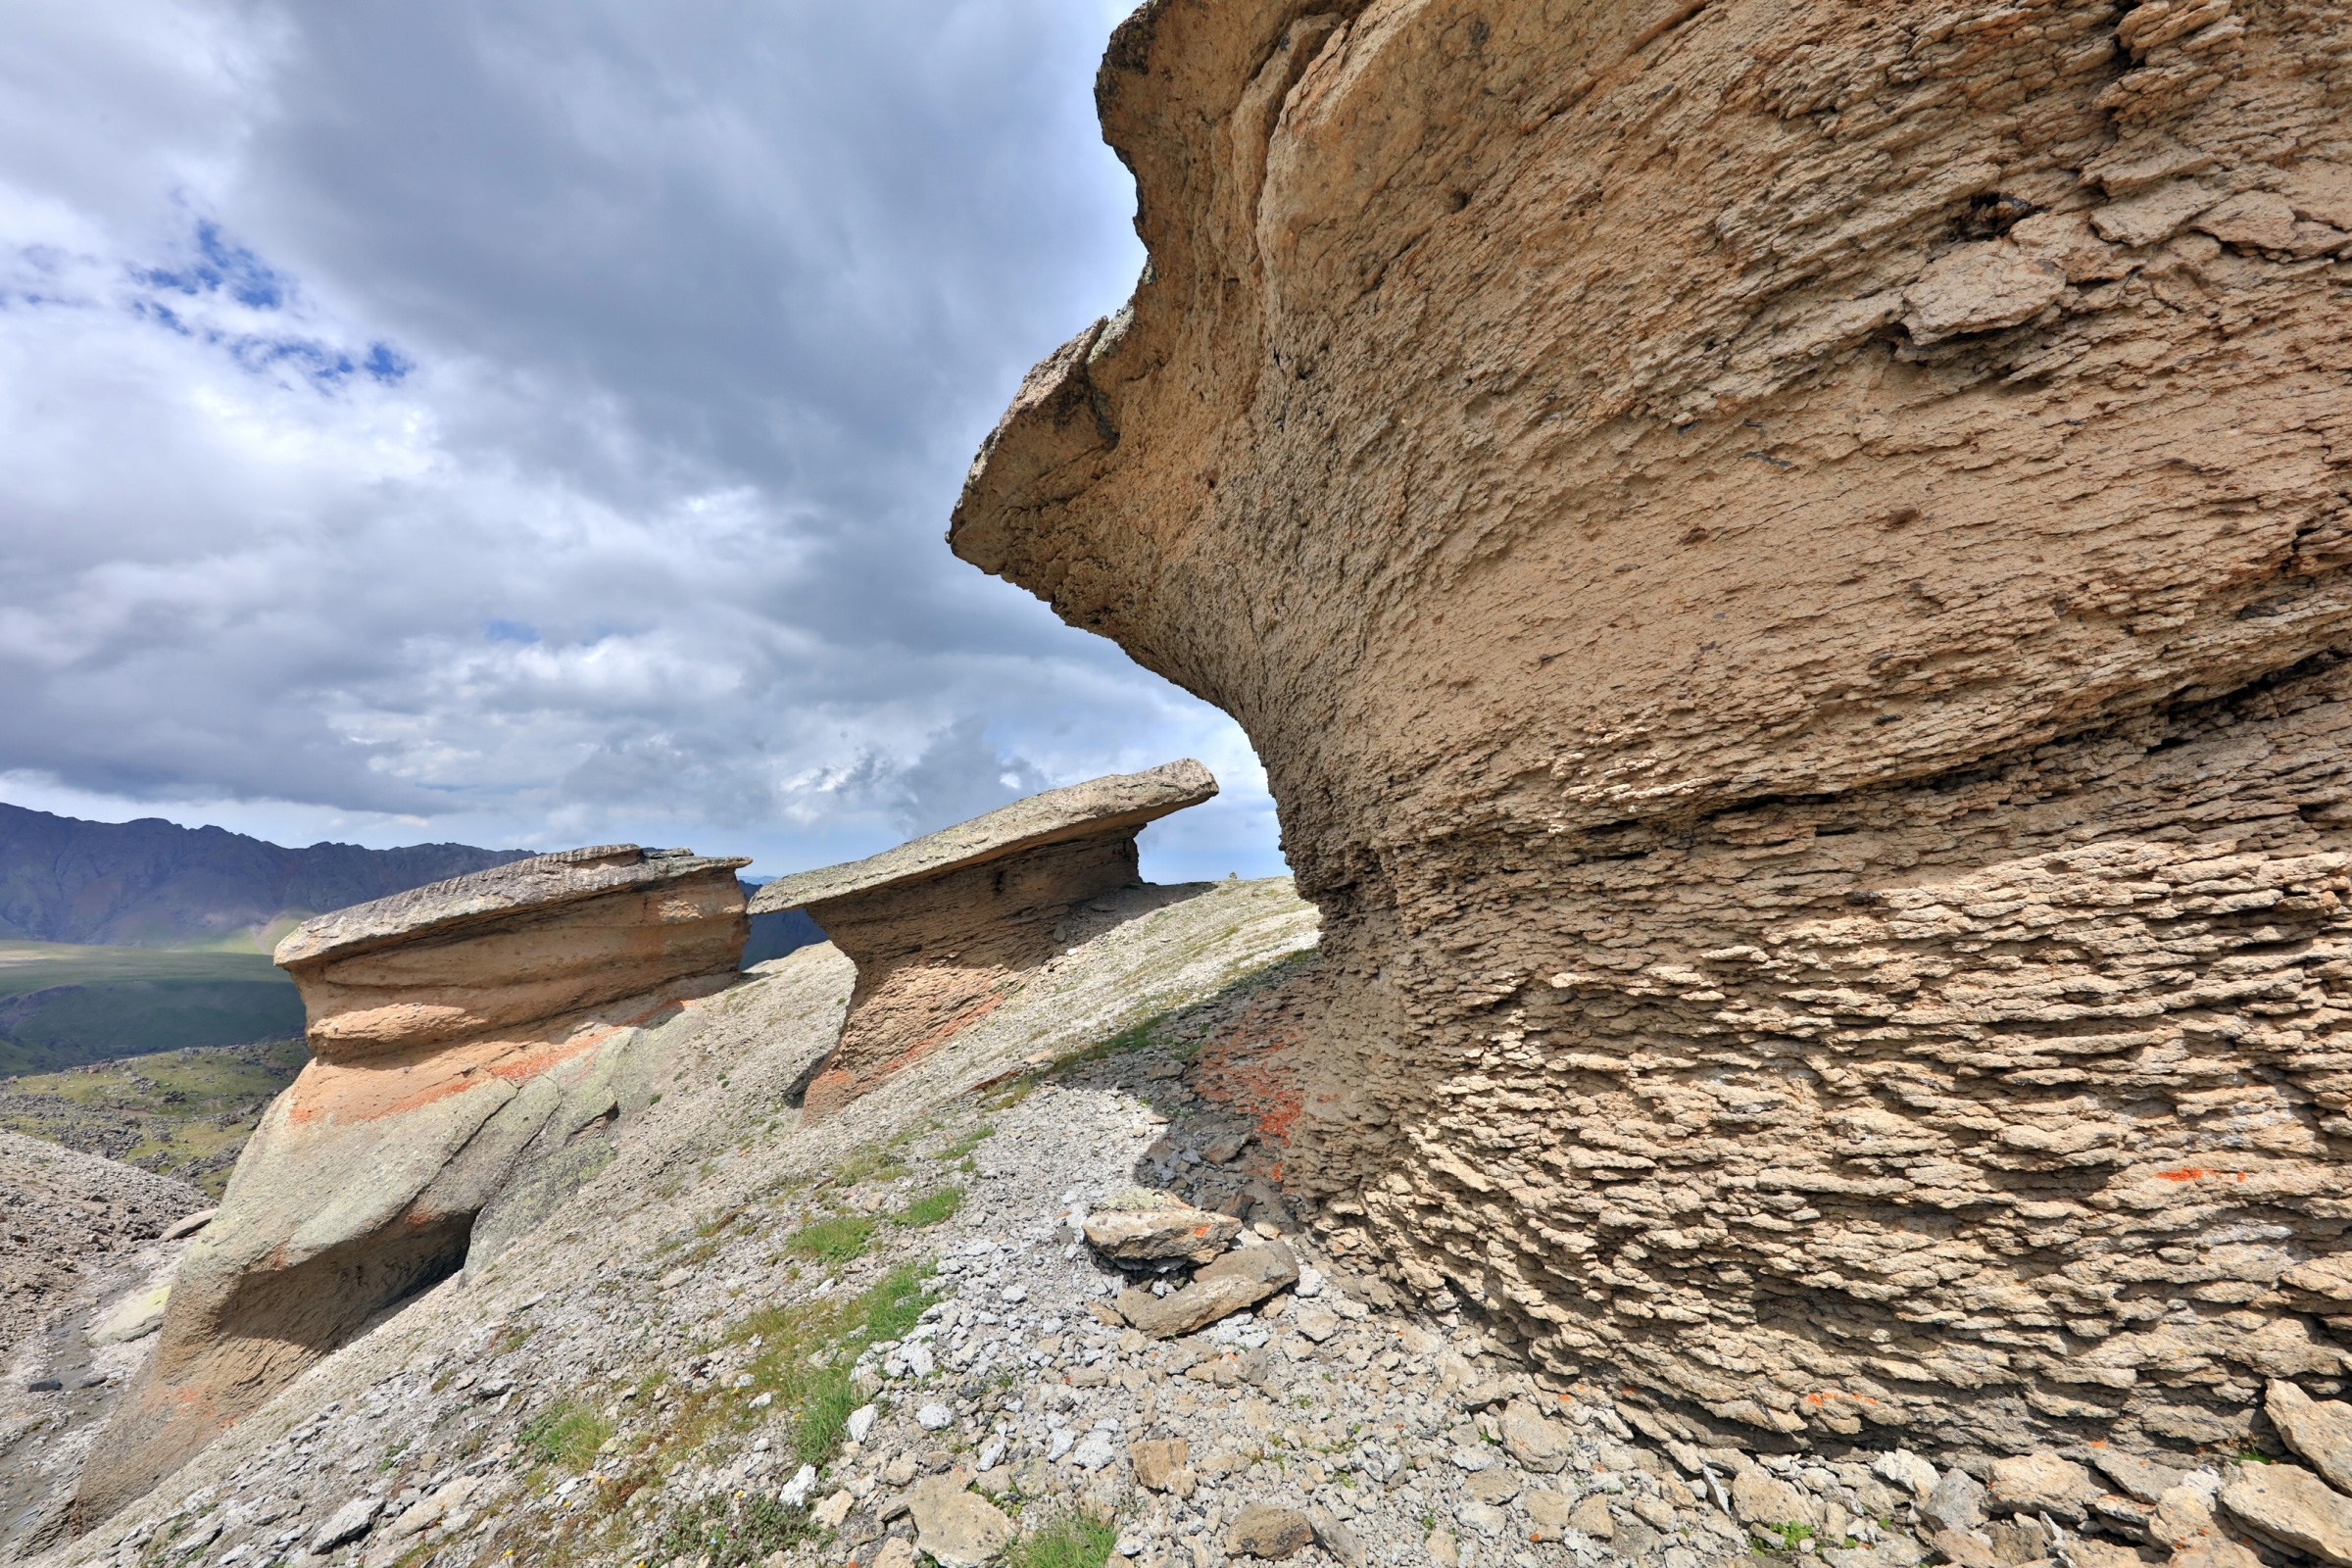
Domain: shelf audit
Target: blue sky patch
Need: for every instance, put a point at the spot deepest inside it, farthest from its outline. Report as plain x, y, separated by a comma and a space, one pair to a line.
510, 632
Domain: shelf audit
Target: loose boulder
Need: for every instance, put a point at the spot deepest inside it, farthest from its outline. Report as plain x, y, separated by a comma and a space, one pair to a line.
1149, 1227
1234, 1283
942, 926
473, 1043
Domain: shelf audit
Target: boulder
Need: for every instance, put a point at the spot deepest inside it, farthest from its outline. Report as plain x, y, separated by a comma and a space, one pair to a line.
1698, 578
2133, 1474
1542, 1447
1157, 1460
1261, 1529
1147, 1227
1957, 1502
2041, 1482
2293, 1508
473, 1043
1760, 1498
1908, 1471
954, 1526
2319, 1430
1235, 1282
942, 926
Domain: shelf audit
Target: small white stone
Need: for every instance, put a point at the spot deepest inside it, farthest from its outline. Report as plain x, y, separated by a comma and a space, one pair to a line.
934, 1416
861, 1422
1015, 1294
1310, 1282
793, 1494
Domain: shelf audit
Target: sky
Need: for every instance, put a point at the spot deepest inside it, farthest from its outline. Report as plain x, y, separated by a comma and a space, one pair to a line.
535, 425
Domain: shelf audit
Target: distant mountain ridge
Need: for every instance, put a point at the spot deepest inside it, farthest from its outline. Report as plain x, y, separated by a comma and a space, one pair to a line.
155, 884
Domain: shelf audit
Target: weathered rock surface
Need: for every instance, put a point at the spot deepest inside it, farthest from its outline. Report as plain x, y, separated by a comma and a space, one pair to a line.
472, 1046
1157, 1228
1234, 1283
1785, 563
958, 1528
1270, 1533
2320, 1430
943, 927
2293, 1508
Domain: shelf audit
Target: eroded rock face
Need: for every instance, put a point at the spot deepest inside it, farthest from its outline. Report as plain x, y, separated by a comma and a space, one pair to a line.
942, 926
1786, 563
473, 1043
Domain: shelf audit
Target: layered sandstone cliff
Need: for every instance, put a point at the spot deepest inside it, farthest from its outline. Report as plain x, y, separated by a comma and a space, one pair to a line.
1786, 561
945, 927
475, 1043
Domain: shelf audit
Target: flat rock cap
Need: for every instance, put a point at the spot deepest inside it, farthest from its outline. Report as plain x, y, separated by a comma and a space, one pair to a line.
541, 882
1103, 806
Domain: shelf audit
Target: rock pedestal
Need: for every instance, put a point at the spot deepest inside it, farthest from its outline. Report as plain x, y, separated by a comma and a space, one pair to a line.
1786, 566
942, 926
471, 1043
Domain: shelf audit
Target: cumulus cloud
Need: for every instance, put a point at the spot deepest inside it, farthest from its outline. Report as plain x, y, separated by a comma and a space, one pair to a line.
537, 425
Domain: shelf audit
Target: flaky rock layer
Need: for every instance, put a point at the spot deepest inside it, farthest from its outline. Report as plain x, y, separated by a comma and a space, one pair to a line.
1786, 563
473, 1043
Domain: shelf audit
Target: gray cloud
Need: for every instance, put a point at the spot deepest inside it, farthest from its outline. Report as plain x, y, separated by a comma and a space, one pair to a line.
538, 426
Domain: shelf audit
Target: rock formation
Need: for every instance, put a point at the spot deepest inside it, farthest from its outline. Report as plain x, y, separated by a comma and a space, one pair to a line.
941, 928
472, 1045
1786, 563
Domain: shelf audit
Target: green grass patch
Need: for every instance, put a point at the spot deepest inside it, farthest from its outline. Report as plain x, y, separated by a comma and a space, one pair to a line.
831, 1241
730, 1533
1068, 1538
932, 1209
565, 1434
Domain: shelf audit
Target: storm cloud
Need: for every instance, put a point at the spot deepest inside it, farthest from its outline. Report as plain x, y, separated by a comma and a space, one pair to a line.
535, 425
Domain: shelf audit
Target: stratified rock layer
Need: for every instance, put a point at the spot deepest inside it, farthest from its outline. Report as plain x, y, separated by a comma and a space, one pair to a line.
1786, 563
942, 926
473, 1043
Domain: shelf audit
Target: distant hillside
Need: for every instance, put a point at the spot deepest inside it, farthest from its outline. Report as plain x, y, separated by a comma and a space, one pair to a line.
154, 884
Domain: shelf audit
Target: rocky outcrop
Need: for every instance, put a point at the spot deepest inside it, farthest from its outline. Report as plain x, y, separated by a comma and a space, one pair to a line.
943, 927
1786, 563
474, 1041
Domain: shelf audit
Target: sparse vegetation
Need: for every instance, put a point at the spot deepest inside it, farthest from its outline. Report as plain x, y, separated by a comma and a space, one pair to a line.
1068, 1538
831, 1241
729, 1533
565, 1434
932, 1209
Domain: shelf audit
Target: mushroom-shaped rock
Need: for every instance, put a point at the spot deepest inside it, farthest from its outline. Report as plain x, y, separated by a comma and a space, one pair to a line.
1744, 604
940, 928
473, 1041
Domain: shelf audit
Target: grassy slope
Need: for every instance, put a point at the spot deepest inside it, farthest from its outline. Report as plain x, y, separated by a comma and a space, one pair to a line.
119, 1001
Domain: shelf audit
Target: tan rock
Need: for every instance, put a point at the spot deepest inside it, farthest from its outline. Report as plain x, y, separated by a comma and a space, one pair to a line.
2135, 1473
834, 1510
1759, 1498
942, 926
1443, 1549
895, 1553
1541, 1446
1981, 288
2257, 218
1158, 1460
2184, 1514
2294, 1507
2319, 1430
2211, 1552
955, 1527
1261, 1529
1232, 1283
1669, 653
473, 1043
2041, 1482
1147, 1227
1966, 1549
1591, 1516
